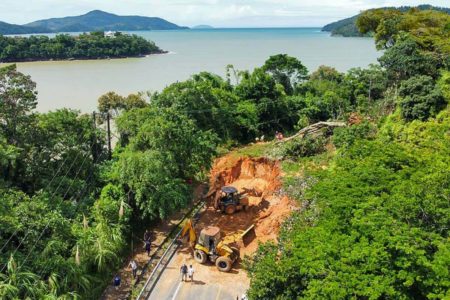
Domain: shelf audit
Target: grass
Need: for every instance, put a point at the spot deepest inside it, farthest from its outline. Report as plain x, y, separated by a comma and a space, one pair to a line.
253, 150
307, 164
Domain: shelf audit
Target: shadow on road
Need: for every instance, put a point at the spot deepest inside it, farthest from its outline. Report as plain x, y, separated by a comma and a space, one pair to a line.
196, 282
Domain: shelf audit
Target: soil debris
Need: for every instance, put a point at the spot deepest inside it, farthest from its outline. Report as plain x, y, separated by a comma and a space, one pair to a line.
268, 209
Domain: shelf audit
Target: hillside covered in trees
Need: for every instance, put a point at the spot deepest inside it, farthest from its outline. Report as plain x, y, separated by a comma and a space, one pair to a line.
375, 211
374, 220
95, 20
347, 27
95, 45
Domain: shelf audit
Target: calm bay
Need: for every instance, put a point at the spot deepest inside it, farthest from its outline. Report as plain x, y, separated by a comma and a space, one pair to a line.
78, 84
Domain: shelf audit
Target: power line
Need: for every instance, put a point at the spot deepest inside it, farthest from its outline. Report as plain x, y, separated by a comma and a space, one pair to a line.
48, 223
78, 206
48, 185
54, 193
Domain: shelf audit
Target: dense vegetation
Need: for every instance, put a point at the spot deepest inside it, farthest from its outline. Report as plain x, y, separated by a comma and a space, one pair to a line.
95, 20
63, 46
347, 27
375, 226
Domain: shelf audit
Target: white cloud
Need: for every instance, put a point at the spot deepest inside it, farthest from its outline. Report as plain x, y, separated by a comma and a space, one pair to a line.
229, 13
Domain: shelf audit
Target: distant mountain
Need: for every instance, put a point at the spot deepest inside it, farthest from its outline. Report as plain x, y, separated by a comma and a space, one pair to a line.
202, 27
95, 20
98, 20
6, 28
347, 27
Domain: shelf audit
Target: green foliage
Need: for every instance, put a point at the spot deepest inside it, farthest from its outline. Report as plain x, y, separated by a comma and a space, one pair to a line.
374, 224
152, 168
208, 99
444, 84
63, 46
303, 147
286, 70
374, 215
368, 89
345, 137
404, 60
348, 27
18, 99
324, 96
427, 27
150, 177
421, 99
113, 103
370, 229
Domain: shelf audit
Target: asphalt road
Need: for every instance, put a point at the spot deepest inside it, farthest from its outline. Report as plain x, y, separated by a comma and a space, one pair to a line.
208, 284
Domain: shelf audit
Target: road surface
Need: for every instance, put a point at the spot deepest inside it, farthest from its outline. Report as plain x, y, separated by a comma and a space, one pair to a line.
208, 284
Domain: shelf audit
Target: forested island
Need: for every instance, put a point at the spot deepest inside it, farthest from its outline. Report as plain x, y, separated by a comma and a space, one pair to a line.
94, 45
373, 195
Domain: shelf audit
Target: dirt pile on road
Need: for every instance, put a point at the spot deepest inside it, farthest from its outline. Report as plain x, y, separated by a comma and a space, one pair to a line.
267, 208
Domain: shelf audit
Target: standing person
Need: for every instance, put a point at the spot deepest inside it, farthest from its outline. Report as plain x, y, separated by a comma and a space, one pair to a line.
147, 246
134, 268
184, 271
117, 282
191, 273
147, 235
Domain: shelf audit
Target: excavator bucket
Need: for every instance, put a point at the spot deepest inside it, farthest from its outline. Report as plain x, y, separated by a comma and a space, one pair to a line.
248, 235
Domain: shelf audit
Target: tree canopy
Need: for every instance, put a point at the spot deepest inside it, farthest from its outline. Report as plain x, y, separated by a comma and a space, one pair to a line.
63, 46
374, 219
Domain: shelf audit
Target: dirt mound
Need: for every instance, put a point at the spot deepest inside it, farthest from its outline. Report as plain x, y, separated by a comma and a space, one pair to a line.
267, 208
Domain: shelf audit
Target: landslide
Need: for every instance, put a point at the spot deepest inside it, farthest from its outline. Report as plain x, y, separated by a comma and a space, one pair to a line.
268, 208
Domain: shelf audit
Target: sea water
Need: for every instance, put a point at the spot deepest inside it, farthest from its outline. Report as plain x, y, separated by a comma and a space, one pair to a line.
78, 84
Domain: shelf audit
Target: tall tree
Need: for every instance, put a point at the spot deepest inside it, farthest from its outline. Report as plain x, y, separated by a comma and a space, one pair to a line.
18, 99
287, 71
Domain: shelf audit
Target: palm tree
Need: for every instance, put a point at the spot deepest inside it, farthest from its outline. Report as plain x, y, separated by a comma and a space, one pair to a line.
18, 283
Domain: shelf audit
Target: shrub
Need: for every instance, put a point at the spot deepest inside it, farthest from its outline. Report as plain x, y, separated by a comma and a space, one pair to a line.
421, 99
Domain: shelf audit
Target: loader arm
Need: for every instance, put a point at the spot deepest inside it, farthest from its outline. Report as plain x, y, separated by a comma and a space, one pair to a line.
189, 229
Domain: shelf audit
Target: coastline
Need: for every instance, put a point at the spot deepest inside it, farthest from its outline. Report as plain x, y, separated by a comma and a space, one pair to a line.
84, 59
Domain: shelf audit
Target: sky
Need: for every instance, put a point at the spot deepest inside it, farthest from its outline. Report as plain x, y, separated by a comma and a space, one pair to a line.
217, 13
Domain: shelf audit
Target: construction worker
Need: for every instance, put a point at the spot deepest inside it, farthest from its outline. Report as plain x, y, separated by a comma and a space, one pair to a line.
184, 271
191, 273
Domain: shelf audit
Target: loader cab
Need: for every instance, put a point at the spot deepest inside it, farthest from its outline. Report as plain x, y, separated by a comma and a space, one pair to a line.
210, 238
232, 200
229, 195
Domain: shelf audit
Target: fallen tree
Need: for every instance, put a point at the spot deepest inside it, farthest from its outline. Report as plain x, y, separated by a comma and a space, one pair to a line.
315, 130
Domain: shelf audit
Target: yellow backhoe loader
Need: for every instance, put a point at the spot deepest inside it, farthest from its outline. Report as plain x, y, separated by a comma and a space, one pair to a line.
209, 246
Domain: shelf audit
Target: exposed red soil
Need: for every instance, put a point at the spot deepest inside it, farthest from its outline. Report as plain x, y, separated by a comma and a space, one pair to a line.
267, 212
267, 208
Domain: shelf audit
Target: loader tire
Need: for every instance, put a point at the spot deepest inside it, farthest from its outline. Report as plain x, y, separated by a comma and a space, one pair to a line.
200, 256
230, 209
224, 264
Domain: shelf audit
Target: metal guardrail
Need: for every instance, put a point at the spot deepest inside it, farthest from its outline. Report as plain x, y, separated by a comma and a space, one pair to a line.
164, 260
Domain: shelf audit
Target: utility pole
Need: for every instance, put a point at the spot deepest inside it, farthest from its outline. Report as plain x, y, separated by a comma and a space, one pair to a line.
108, 125
94, 142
